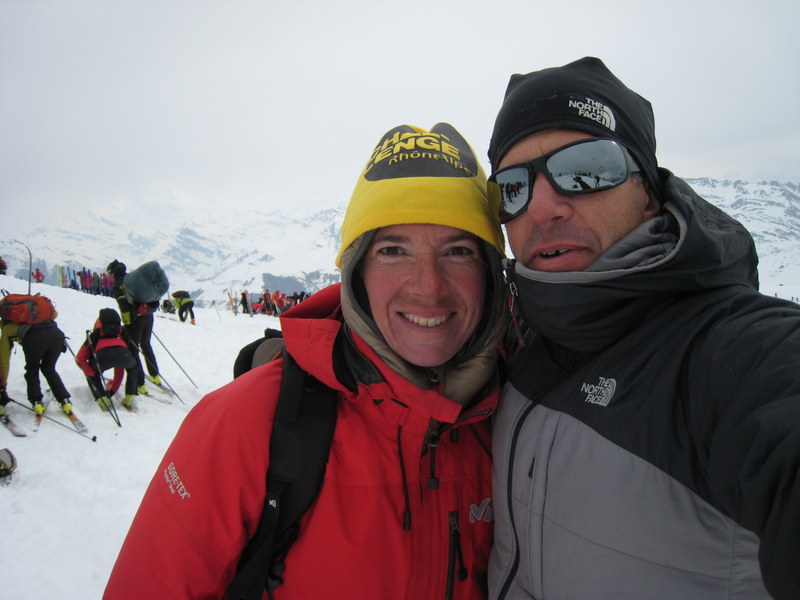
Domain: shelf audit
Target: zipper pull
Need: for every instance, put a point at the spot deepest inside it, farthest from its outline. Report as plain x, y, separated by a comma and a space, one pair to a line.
433, 443
508, 273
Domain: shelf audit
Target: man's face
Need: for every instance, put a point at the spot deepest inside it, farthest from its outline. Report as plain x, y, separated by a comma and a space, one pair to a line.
567, 233
426, 287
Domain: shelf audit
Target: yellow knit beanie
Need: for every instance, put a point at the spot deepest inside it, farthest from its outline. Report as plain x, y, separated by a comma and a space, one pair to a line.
419, 176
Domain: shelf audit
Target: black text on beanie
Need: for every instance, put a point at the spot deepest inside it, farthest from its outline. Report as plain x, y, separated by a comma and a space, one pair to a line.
585, 96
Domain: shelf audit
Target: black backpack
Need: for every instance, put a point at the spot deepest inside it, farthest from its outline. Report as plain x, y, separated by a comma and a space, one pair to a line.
108, 325
301, 439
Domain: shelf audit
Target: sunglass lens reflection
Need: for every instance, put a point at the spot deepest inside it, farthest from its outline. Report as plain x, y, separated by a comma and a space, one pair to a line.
514, 187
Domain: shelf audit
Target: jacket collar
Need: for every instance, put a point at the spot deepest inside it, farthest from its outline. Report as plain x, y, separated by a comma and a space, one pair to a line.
587, 311
312, 330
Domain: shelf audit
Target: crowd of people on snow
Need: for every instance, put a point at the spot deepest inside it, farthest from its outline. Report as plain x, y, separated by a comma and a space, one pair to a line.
272, 303
101, 283
118, 339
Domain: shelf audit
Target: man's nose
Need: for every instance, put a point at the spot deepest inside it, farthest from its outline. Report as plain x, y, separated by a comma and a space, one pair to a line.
546, 203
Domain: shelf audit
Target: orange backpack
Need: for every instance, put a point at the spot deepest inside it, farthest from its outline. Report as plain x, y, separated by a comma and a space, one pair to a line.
27, 310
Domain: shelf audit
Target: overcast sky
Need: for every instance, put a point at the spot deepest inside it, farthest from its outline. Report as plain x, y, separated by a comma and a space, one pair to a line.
197, 102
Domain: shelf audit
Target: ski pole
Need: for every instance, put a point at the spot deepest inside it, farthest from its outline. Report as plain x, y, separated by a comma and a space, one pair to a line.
112, 409
214, 304
88, 437
172, 389
30, 264
173, 358
147, 361
114, 416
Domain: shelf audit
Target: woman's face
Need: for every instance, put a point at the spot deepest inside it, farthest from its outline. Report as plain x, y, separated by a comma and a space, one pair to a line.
426, 286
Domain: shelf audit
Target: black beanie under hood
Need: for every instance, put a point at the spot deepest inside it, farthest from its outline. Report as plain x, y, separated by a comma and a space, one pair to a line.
584, 96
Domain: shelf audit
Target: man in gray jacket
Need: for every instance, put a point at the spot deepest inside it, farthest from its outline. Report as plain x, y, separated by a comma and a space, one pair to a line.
648, 440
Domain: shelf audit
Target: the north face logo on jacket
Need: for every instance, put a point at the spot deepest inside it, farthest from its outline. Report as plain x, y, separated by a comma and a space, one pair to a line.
600, 392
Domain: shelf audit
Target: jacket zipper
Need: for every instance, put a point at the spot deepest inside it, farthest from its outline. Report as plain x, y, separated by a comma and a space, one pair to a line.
456, 571
515, 562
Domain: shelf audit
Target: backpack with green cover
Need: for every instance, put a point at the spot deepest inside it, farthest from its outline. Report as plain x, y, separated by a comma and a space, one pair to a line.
146, 283
27, 310
301, 439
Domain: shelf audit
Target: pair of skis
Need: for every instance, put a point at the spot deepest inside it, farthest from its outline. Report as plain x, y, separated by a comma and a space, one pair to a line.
73, 418
17, 431
164, 388
79, 425
156, 397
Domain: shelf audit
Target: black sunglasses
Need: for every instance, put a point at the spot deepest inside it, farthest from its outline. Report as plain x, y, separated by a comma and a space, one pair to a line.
582, 167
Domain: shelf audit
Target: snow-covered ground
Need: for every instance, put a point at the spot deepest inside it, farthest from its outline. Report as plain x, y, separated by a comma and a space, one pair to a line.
69, 505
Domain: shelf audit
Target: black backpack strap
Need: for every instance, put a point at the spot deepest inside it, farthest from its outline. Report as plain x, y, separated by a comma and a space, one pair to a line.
301, 438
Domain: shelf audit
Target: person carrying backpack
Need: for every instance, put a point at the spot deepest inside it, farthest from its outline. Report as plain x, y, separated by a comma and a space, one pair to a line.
409, 342
103, 349
137, 298
184, 304
42, 343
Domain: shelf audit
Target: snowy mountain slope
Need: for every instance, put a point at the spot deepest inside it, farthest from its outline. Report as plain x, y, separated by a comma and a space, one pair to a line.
206, 254
210, 252
771, 212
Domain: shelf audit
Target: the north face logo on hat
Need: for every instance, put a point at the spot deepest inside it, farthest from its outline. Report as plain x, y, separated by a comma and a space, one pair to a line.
406, 152
595, 110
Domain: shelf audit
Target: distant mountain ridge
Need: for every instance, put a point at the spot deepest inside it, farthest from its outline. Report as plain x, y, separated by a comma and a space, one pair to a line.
229, 250
771, 212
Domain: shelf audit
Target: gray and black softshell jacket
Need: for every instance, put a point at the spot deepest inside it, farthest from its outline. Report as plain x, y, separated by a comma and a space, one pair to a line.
648, 440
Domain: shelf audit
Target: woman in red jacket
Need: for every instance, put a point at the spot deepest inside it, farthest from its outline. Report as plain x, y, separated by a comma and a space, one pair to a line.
409, 340
103, 349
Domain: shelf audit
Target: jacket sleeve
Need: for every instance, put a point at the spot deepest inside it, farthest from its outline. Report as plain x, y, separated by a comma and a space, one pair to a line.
205, 500
114, 384
82, 359
749, 372
122, 301
7, 331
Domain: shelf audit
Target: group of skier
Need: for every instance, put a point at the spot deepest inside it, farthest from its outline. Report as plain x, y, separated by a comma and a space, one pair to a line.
116, 341
273, 303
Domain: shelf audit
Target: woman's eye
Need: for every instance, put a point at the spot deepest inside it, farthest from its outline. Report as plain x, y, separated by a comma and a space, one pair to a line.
461, 251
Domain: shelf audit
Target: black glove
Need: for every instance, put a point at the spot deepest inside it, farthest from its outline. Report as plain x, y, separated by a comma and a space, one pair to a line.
4, 397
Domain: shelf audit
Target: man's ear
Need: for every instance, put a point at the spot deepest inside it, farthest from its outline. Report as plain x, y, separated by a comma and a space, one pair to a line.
653, 207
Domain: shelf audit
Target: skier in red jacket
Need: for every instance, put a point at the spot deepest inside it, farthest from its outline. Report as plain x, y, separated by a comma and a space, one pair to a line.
410, 341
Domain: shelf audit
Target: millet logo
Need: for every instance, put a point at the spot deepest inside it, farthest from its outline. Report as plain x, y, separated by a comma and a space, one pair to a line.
596, 111
481, 512
601, 392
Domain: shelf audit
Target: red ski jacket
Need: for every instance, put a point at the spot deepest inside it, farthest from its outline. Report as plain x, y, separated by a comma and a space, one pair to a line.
396, 448
84, 358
